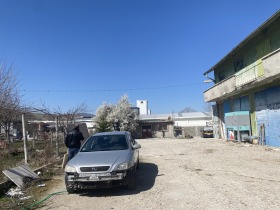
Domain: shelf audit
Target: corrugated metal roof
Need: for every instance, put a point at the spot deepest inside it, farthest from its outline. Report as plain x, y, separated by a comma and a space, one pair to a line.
195, 114
21, 175
155, 116
246, 40
188, 115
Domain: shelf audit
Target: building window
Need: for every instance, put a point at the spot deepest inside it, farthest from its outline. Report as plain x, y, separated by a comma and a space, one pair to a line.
222, 76
241, 104
146, 128
263, 48
238, 65
226, 106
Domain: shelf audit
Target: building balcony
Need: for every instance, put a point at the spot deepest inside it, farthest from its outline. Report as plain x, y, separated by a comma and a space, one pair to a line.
261, 72
220, 90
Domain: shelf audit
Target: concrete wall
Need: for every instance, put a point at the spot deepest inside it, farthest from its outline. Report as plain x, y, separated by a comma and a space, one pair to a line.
169, 133
271, 64
220, 89
193, 131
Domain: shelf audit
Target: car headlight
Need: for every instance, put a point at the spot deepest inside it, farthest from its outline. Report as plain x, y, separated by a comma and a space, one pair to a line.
123, 166
70, 169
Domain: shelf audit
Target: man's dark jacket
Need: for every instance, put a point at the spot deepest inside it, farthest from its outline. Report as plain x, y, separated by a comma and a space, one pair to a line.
73, 139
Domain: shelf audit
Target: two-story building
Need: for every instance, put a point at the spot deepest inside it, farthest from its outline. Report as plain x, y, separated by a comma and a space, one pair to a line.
247, 86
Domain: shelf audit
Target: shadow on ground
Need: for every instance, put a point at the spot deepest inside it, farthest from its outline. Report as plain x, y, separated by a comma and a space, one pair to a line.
145, 179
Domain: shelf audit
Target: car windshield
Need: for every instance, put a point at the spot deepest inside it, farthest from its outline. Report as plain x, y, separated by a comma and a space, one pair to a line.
105, 143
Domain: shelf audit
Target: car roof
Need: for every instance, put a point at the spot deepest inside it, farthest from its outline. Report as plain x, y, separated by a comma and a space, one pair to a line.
111, 133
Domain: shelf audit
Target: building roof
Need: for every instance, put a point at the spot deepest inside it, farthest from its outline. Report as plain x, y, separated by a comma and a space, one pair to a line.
246, 40
194, 114
154, 116
174, 116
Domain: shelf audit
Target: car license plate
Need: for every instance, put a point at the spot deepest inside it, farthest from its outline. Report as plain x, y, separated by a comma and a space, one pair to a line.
95, 175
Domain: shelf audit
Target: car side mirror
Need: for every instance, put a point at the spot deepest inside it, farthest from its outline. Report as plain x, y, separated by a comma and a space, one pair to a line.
136, 146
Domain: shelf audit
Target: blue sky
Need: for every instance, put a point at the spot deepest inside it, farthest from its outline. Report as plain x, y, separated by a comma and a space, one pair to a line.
68, 52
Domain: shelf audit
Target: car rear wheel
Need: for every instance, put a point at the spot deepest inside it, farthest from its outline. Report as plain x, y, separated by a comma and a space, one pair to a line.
69, 189
131, 180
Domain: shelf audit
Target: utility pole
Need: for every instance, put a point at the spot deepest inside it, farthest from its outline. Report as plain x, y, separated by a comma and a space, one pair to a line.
56, 136
24, 138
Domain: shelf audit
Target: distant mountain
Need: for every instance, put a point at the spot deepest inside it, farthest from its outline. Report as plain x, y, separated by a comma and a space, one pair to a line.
86, 115
187, 109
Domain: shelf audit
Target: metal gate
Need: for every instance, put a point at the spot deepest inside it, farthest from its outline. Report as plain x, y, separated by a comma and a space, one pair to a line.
267, 104
270, 119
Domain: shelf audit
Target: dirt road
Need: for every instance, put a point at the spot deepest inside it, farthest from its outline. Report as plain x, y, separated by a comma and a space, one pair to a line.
190, 174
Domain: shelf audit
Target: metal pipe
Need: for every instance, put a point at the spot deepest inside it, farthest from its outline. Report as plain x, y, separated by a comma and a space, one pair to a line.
24, 138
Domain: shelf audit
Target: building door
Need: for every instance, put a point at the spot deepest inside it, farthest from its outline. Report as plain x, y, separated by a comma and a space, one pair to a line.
147, 131
224, 108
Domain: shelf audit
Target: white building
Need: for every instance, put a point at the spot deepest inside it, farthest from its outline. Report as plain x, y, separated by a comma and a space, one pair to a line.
191, 119
173, 124
143, 106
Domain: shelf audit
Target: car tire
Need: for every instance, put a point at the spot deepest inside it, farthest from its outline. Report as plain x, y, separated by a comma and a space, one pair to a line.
70, 190
138, 164
131, 180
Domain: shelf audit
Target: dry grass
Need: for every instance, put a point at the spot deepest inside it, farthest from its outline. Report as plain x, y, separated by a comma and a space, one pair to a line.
44, 153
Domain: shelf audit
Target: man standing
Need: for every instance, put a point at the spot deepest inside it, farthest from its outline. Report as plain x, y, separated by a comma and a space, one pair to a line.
73, 141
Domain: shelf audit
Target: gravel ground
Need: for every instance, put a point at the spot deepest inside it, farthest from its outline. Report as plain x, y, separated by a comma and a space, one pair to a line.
189, 174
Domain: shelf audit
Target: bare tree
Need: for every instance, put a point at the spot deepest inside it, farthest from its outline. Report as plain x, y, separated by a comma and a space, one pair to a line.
69, 116
8, 84
9, 117
64, 117
10, 107
61, 118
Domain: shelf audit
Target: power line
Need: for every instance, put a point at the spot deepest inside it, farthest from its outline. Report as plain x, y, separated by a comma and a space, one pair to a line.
111, 90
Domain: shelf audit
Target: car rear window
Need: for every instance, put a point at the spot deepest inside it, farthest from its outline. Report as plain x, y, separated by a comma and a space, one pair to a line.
105, 143
208, 128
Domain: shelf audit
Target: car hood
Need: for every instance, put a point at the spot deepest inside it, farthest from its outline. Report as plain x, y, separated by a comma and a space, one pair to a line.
100, 158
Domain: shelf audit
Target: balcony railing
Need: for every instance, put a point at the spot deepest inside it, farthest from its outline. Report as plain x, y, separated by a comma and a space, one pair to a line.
249, 73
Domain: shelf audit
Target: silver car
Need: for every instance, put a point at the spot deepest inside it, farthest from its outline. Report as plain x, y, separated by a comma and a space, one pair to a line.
105, 160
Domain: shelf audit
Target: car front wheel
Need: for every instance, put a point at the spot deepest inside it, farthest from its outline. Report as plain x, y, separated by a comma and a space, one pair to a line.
69, 189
